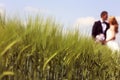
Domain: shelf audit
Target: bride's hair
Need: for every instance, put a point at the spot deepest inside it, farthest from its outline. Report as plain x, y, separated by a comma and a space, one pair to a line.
113, 21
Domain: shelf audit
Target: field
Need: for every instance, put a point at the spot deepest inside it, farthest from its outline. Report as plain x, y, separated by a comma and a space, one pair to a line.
40, 50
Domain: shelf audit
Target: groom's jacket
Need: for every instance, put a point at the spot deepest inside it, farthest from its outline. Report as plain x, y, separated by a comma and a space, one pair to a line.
97, 29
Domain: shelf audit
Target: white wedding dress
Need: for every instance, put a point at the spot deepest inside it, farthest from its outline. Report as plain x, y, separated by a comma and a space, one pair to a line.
112, 44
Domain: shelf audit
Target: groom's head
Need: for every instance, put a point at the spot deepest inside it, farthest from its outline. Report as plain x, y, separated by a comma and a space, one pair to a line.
104, 15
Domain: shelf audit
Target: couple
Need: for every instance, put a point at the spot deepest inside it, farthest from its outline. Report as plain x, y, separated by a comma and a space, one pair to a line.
104, 31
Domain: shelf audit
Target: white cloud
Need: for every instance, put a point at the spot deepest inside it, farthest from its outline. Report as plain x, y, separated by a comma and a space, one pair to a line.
35, 10
2, 9
31, 9
118, 18
84, 21
84, 25
88, 21
118, 35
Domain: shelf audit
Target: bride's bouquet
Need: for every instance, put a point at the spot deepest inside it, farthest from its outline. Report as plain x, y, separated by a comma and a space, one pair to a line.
100, 38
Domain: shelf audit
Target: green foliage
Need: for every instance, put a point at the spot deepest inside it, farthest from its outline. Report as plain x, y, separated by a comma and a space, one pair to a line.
40, 50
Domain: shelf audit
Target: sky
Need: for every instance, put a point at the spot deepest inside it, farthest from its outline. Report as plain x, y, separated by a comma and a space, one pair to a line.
82, 13
67, 11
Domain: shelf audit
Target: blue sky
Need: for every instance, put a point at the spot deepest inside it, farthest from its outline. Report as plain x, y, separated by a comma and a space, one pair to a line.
68, 12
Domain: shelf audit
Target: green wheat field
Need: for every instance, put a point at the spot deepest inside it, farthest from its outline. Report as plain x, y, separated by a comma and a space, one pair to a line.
41, 50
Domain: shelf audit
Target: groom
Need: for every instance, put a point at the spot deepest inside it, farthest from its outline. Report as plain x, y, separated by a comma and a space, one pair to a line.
100, 27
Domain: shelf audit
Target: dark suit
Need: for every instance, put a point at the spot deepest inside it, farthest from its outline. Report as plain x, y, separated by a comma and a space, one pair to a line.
97, 29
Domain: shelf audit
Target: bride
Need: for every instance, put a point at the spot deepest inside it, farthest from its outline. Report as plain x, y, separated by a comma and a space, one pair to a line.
111, 34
